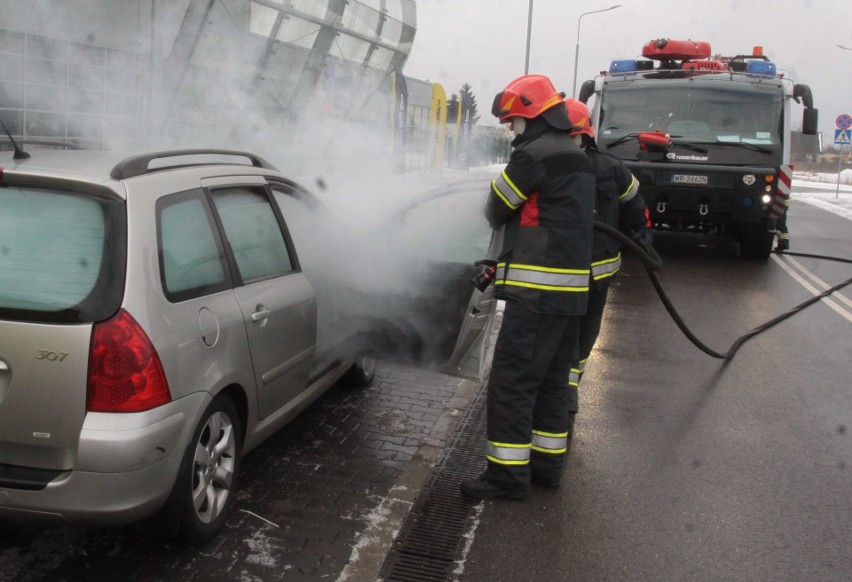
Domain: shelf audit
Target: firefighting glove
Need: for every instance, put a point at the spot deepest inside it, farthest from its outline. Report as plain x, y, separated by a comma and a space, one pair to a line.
644, 238
485, 275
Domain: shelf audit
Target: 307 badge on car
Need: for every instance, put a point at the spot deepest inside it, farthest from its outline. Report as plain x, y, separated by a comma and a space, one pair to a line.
689, 179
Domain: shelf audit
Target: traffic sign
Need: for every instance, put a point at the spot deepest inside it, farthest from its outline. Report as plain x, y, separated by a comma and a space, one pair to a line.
842, 136
844, 121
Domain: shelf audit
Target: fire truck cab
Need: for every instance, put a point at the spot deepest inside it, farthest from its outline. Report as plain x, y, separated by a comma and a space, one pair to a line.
707, 137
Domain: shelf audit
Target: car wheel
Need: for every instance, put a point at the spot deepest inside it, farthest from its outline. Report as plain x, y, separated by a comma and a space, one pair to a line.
362, 372
207, 480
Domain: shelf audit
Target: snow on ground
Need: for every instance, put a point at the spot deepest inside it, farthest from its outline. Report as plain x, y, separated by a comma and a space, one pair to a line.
834, 197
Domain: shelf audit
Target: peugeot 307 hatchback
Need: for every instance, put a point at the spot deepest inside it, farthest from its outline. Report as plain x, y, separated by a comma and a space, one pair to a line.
156, 323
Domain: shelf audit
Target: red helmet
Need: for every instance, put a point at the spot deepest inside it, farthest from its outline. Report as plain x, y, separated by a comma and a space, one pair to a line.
580, 117
531, 96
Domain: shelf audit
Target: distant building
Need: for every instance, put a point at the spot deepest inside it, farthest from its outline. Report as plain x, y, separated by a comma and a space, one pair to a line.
105, 73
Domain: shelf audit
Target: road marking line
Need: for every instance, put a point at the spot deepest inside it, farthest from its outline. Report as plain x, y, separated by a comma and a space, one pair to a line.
804, 283
836, 295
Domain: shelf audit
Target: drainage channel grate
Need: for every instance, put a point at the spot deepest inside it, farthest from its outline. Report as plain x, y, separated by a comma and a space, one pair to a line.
430, 540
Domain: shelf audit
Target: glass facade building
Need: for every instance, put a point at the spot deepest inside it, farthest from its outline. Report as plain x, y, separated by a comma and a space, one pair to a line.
116, 74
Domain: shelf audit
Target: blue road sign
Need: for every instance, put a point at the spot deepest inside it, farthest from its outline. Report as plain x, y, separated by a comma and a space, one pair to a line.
842, 136
844, 121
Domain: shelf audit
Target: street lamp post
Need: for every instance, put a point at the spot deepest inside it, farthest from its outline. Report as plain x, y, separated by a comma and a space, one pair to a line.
529, 32
577, 48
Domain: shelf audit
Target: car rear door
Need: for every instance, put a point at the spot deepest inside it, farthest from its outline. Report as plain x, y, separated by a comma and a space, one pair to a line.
277, 301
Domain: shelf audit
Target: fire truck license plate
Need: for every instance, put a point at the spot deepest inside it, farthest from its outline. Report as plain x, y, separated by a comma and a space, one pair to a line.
689, 179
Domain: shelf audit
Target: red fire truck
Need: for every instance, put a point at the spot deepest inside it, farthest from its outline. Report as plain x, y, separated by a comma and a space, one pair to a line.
708, 137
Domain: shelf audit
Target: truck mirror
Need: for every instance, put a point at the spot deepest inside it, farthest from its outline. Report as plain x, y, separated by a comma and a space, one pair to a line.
803, 92
810, 121
587, 89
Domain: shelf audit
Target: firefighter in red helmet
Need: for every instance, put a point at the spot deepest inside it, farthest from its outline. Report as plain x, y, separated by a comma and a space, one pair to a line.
545, 200
617, 204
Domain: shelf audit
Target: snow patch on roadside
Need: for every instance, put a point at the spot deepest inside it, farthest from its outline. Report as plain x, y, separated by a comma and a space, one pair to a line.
260, 548
469, 537
374, 537
825, 205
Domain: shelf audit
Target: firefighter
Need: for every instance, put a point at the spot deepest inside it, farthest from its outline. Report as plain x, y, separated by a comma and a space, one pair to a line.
545, 200
617, 204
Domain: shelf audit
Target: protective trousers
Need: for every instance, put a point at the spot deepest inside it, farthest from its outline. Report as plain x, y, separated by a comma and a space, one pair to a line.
782, 233
590, 327
528, 397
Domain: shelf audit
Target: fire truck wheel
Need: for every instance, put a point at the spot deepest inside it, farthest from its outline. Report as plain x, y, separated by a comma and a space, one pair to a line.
755, 240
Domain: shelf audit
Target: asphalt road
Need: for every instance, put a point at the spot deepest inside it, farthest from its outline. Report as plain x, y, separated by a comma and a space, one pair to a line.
688, 468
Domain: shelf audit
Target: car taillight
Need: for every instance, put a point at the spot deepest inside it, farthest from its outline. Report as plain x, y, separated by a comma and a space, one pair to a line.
125, 372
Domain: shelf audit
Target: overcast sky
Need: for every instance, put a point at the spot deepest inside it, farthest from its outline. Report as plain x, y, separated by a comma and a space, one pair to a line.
483, 42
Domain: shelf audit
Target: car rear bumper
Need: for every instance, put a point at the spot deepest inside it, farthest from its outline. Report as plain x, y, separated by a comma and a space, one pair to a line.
125, 469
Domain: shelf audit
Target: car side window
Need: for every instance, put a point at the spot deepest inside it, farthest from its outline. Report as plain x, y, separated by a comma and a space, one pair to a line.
297, 209
192, 262
253, 232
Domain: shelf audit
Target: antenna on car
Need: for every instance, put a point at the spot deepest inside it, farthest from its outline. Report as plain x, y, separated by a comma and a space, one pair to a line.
19, 153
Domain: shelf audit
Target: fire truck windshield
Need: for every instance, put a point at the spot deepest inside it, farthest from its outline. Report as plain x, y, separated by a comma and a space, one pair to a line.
706, 109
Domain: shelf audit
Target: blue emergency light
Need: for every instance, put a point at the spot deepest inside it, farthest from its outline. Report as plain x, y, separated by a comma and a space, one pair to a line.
623, 66
763, 68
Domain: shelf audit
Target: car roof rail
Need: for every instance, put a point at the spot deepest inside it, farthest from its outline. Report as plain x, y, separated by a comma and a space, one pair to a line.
5, 141
141, 164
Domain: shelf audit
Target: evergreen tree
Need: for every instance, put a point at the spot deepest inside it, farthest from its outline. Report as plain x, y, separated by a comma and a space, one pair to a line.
453, 105
474, 114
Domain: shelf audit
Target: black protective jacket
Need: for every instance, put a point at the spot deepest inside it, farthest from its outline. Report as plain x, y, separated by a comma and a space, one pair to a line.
618, 205
545, 197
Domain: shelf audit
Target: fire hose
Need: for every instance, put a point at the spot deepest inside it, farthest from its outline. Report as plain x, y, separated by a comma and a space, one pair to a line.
652, 263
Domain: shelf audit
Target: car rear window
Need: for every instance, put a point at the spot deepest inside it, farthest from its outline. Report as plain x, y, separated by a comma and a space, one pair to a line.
58, 255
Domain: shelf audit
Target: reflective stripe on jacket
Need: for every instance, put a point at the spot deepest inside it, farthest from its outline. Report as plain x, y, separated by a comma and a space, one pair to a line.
543, 278
607, 267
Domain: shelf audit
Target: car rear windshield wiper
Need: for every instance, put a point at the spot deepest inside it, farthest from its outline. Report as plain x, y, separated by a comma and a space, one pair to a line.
745, 144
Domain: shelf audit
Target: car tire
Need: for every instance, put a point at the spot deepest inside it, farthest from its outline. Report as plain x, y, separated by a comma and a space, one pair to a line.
208, 477
362, 372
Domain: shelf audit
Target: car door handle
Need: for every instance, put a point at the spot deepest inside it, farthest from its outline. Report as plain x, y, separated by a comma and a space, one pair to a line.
261, 315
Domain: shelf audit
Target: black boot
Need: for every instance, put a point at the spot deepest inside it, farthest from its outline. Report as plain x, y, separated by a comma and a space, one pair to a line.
482, 488
550, 483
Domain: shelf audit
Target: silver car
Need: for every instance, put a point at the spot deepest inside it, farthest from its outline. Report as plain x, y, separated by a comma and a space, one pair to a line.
156, 323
